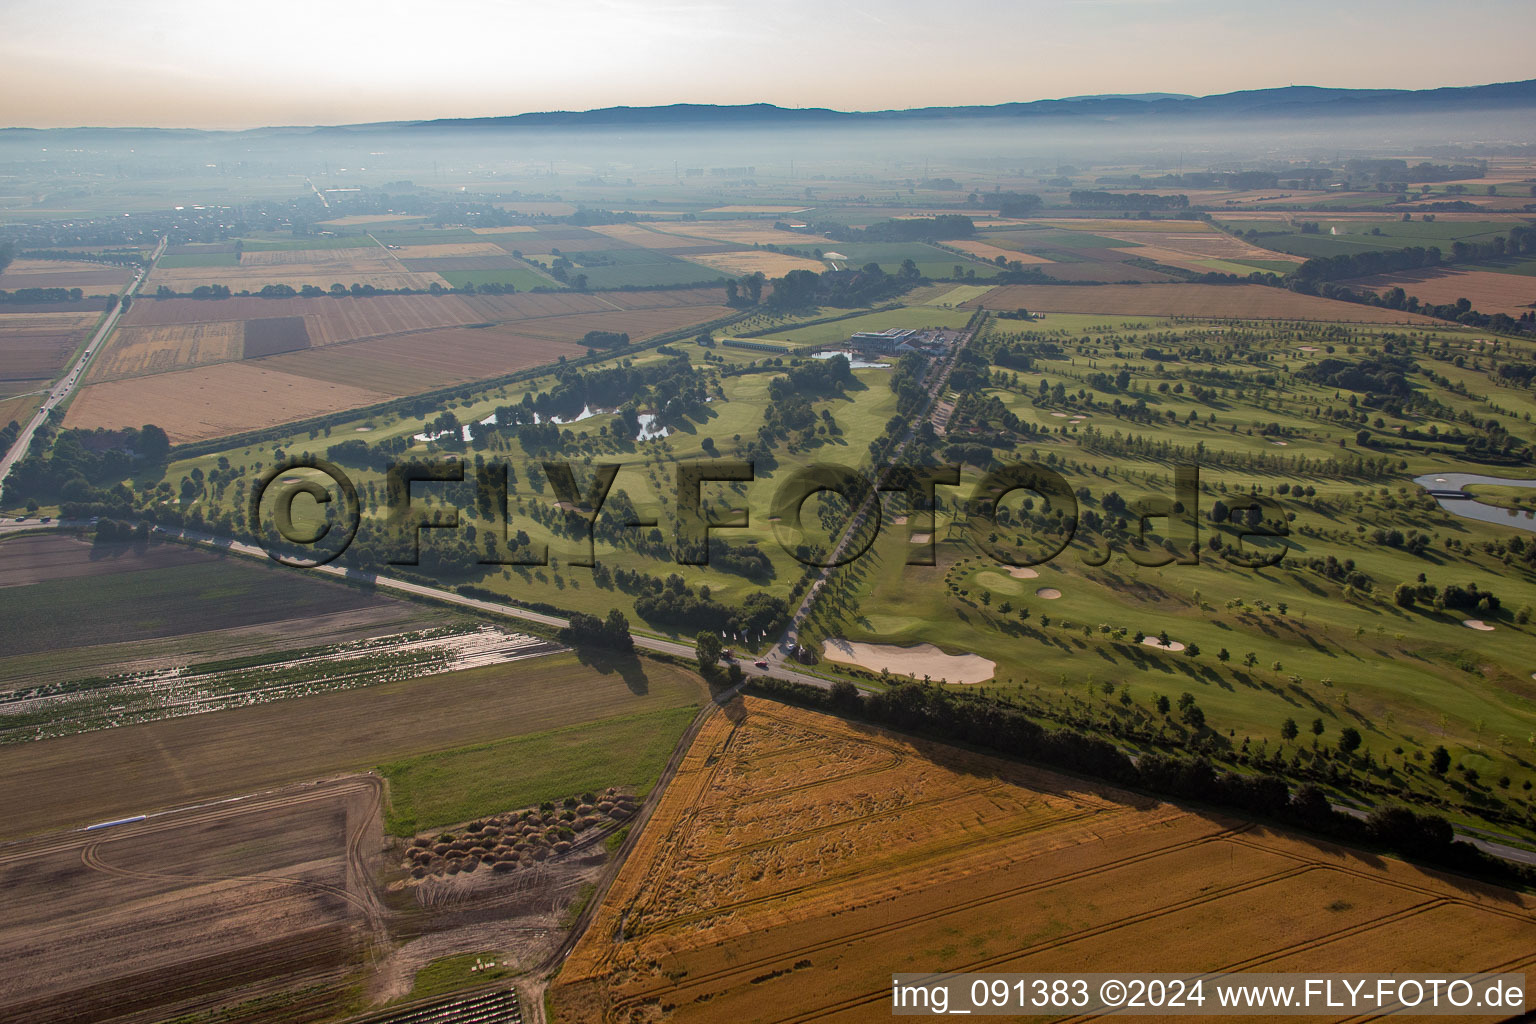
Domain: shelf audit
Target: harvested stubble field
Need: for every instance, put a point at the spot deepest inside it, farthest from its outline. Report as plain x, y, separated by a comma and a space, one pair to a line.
313, 257
407, 363
189, 911
771, 264
358, 352
651, 238
1241, 301
348, 319
452, 264
139, 350
1488, 291
93, 278
797, 860
37, 346
740, 232
990, 253
212, 401
1186, 248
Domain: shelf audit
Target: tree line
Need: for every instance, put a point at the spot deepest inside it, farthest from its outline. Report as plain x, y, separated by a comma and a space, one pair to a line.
994, 724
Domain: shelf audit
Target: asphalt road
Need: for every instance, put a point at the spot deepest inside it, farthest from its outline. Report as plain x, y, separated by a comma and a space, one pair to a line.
75, 374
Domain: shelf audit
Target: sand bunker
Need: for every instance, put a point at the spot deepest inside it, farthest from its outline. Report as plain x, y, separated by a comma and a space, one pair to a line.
1308, 348
899, 520
915, 662
1171, 645
1059, 415
1048, 593
921, 538
1477, 624
362, 430
1021, 572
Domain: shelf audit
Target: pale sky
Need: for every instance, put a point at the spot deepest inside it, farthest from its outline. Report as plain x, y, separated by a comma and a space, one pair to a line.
215, 64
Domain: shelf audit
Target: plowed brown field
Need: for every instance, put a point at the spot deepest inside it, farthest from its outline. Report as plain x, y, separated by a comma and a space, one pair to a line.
91, 278
797, 860
1488, 291
191, 910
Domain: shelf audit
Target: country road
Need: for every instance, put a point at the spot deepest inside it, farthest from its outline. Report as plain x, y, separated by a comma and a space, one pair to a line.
75, 374
658, 644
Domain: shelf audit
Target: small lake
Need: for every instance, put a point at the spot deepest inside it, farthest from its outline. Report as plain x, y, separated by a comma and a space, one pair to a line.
1477, 509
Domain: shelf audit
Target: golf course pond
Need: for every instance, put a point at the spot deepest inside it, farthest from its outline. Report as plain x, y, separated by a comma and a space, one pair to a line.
1443, 486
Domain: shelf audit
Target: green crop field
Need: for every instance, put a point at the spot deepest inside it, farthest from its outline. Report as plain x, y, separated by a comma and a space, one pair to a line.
521, 278
1335, 237
349, 241
471, 782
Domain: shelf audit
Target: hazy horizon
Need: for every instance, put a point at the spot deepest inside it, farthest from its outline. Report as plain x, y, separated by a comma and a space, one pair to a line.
182, 65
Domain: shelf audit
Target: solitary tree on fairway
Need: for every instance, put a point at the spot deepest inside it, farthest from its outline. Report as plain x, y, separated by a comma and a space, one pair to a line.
1288, 729
1440, 761
1349, 739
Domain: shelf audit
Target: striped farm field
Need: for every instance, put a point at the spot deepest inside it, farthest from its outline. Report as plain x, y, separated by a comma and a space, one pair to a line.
35, 347
797, 860
989, 252
91, 278
140, 350
740, 232
305, 357
650, 238
770, 264
1243, 301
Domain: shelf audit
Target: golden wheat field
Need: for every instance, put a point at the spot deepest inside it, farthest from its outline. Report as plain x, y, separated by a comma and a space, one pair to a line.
771, 264
211, 401
138, 350
797, 860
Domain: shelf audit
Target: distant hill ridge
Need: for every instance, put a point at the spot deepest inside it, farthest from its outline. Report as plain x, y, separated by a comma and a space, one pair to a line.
1289, 101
